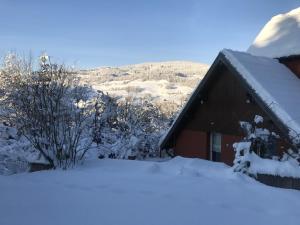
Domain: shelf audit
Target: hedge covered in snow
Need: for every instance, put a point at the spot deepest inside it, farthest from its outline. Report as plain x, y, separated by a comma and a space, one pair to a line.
252, 158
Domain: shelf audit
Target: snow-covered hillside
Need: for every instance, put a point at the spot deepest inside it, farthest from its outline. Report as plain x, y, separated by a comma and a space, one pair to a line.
279, 37
120, 192
160, 82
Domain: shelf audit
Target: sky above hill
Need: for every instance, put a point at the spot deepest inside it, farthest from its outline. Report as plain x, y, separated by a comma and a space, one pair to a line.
117, 32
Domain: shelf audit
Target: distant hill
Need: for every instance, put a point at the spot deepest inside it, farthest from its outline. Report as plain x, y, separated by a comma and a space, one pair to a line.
166, 84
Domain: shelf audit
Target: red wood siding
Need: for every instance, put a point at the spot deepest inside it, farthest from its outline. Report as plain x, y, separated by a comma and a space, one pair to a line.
219, 108
227, 152
192, 144
195, 144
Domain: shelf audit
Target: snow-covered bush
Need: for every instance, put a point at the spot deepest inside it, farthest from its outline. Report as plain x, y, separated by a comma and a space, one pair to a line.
257, 153
128, 129
259, 141
14, 151
142, 123
263, 142
48, 107
241, 161
62, 120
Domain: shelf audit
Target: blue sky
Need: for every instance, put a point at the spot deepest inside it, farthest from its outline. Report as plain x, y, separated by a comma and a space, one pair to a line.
115, 32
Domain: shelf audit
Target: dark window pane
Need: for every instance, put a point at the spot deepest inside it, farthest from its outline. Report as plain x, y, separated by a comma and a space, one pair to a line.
216, 142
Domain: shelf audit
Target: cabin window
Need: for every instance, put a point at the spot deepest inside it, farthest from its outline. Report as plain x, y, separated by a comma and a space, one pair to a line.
215, 143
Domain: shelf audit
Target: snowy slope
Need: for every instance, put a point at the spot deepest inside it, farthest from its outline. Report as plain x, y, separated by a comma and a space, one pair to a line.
160, 82
279, 37
113, 192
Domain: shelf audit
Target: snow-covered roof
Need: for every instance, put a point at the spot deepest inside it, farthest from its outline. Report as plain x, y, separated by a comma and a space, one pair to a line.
280, 37
274, 83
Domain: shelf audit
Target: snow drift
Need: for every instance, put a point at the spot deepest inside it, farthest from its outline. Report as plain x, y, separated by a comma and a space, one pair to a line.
121, 192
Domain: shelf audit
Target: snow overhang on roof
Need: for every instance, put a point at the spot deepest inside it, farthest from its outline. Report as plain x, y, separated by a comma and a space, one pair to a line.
277, 88
280, 37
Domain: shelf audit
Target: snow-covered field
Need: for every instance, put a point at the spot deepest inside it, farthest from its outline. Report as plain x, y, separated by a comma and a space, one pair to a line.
159, 82
111, 192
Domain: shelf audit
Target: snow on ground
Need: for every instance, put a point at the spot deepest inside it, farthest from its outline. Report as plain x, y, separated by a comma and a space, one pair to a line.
111, 192
279, 37
289, 168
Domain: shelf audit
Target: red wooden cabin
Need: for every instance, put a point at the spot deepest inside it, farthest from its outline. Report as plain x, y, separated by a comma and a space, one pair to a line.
237, 87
